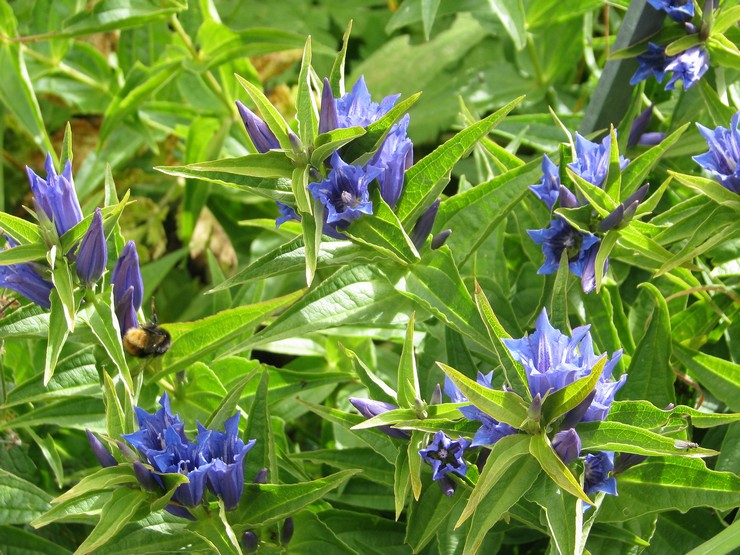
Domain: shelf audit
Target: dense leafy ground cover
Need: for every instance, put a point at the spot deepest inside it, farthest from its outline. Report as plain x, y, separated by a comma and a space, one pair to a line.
430, 277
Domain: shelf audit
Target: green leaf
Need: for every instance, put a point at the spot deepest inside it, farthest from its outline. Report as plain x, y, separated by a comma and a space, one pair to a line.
674, 483
511, 14
428, 13
504, 454
22, 231
228, 406
336, 77
435, 284
721, 377
559, 298
377, 388
77, 413
111, 215
103, 323
374, 467
710, 188
51, 454
515, 374
102, 480
633, 176
328, 142
61, 277
563, 515
262, 505
426, 179
408, 380
416, 442
23, 253
18, 540
117, 512
58, 332
109, 15
18, 96
429, 515
307, 113
504, 406
191, 341
216, 531
623, 438
272, 163
650, 374
259, 427
570, 396
272, 117
542, 450
401, 481
718, 110
727, 541
645, 415
515, 482
602, 203
312, 226
383, 232
20, 501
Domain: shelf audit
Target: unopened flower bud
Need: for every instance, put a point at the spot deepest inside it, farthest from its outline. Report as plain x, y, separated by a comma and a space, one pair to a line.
286, 533
567, 445
92, 256
101, 453
250, 542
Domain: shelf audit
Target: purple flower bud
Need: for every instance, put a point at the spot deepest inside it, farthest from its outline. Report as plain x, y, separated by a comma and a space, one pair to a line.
424, 225
286, 533
146, 477
447, 486
440, 239
126, 451
179, 511
24, 280
126, 312
126, 273
328, 118
262, 138
56, 196
250, 542
369, 409
567, 445
436, 396
567, 199
639, 125
534, 412
92, 256
261, 477
101, 453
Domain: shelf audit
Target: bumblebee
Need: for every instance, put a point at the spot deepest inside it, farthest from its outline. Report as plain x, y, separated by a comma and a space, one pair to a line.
147, 340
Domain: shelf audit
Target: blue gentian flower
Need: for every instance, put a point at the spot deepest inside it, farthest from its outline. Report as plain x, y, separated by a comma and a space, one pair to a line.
92, 256
548, 191
552, 360
25, 280
596, 469
491, 430
356, 107
369, 409
126, 273
581, 248
445, 455
723, 158
56, 196
287, 213
262, 138
344, 193
678, 10
215, 460
652, 63
394, 157
689, 66
592, 159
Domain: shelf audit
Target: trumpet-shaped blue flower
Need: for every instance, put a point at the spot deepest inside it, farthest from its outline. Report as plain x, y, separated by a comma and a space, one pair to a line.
652, 63
287, 213
394, 157
552, 360
678, 10
356, 108
344, 193
548, 191
55, 196
723, 158
262, 138
581, 249
491, 430
93, 253
25, 280
445, 455
126, 273
215, 460
592, 159
597, 469
689, 66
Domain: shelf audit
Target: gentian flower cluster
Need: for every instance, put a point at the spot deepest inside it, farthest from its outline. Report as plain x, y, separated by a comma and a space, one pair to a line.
592, 164
214, 461
722, 160
55, 201
344, 192
688, 66
552, 361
